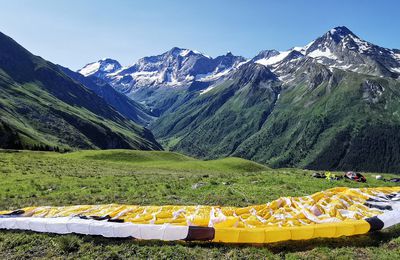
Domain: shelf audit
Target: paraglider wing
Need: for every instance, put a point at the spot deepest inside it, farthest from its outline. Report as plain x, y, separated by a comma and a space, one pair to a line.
332, 213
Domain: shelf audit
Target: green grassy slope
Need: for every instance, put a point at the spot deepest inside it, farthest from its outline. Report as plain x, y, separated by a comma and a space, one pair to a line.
216, 123
157, 178
349, 121
40, 105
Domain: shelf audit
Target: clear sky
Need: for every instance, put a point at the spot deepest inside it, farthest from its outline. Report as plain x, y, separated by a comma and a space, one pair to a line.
75, 32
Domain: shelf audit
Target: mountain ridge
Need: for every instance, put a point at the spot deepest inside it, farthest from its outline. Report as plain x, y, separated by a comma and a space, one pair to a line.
124, 105
168, 74
162, 81
340, 48
40, 106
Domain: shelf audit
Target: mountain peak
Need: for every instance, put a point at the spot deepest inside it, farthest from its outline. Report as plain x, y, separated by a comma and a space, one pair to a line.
105, 65
342, 30
177, 51
108, 60
333, 37
338, 33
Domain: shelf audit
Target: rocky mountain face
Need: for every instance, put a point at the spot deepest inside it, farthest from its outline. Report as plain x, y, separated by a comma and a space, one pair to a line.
175, 68
165, 75
43, 108
338, 48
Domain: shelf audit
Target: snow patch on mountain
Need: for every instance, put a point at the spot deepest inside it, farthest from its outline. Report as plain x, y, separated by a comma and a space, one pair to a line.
396, 70
363, 46
274, 59
302, 50
318, 53
207, 89
90, 69
217, 74
396, 56
100, 68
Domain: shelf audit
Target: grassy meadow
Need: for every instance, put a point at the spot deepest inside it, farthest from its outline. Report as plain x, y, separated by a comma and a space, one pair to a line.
159, 178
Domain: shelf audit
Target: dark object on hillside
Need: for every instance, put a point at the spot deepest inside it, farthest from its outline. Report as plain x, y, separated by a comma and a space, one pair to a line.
395, 180
355, 176
328, 176
15, 213
319, 175
332, 176
336, 178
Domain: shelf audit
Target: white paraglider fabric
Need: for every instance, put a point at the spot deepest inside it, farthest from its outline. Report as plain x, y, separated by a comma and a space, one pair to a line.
65, 225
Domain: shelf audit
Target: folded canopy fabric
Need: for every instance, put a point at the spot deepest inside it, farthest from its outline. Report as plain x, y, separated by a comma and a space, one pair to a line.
332, 213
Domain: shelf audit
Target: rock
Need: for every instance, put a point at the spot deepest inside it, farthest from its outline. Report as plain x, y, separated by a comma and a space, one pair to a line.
198, 185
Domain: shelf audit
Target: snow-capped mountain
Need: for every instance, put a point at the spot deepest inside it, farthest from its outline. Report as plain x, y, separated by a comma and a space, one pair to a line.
174, 68
166, 81
100, 68
338, 48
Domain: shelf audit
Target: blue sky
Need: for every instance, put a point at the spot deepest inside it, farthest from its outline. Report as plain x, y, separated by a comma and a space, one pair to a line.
75, 32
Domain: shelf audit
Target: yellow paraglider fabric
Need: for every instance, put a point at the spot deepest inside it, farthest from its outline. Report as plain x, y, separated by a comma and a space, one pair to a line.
331, 213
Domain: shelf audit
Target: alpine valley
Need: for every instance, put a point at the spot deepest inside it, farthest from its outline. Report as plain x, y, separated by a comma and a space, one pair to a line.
332, 104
